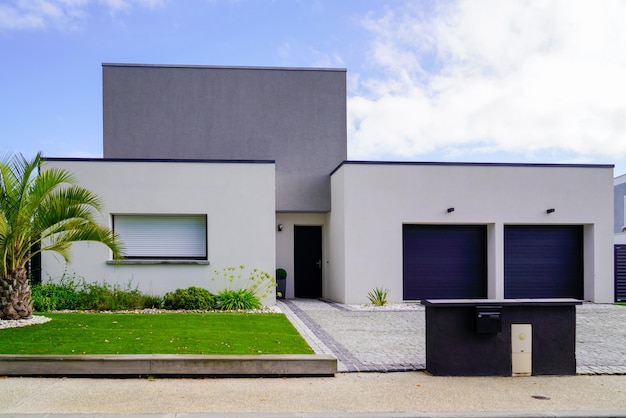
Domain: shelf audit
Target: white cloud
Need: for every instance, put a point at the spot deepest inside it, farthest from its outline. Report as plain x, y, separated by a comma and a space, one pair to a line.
294, 53
60, 14
494, 76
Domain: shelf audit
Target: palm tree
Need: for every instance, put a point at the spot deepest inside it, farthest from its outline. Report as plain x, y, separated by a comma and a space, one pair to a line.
44, 211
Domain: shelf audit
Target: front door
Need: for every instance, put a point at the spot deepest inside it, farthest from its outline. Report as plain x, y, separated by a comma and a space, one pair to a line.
308, 261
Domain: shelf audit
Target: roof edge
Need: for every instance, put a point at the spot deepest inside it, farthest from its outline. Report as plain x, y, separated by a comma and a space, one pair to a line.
223, 67
470, 164
157, 160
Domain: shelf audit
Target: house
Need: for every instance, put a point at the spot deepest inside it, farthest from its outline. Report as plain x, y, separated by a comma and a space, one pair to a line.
210, 167
619, 229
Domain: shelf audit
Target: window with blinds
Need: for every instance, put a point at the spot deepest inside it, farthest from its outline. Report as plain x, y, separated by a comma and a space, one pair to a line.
163, 236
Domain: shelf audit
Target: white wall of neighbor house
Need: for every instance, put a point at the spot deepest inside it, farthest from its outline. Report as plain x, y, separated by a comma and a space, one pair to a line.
372, 201
619, 187
285, 243
620, 239
238, 199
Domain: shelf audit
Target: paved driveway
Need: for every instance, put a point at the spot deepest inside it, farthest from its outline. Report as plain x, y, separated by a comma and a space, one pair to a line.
393, 338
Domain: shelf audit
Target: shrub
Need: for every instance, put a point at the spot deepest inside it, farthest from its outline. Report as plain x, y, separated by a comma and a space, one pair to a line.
378, 296
281, 274
76, 294
237, 300
236, 287
192, 298
66, 294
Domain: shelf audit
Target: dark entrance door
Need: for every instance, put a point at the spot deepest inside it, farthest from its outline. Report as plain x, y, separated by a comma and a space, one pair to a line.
308, 261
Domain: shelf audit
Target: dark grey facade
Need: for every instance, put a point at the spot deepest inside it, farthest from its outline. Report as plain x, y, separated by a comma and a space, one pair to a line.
296, 117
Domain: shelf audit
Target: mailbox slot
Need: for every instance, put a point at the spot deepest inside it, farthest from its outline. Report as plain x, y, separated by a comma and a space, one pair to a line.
488, 319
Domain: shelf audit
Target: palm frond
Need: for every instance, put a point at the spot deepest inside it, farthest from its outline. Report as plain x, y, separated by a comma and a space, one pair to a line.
47, 209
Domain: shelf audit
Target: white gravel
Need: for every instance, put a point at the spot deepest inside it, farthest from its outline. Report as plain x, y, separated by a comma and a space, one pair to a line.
14, 323
387, 307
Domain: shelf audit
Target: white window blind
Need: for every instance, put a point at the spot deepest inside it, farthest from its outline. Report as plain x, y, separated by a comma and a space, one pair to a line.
162, 236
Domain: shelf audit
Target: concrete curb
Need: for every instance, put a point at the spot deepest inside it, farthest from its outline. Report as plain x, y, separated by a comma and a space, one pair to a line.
408, 414
168, 365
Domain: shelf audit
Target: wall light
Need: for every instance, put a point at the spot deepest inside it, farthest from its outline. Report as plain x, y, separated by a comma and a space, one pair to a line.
551, 210
450, 210
280, 227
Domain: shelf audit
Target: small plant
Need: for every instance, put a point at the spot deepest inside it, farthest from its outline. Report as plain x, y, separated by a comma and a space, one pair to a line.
378, 296
281, 283
237, 288
192, 298
237, 300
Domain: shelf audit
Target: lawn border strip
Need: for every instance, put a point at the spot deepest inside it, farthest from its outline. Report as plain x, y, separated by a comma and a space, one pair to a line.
168, 365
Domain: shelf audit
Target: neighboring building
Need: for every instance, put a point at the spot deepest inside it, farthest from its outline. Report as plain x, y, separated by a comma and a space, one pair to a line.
619, 229
619, 205
252, 162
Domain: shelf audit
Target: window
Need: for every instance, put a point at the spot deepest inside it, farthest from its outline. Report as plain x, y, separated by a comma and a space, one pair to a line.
163, 236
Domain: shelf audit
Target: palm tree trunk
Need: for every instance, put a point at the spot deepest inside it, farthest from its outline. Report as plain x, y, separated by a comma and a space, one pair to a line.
15, 300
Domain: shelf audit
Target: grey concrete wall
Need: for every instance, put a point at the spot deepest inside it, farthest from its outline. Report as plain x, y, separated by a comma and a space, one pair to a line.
296, 117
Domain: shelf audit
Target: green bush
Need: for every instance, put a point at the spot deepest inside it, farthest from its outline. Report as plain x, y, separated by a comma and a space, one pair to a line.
77, 294
68, 293
238, 287
236, 300
192, 298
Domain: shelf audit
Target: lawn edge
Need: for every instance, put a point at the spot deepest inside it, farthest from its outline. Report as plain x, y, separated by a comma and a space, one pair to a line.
168, 365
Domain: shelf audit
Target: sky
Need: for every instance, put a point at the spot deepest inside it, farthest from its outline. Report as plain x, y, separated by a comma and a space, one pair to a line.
519, 81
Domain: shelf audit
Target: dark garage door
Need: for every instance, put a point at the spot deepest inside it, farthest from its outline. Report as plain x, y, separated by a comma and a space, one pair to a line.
444, 262
544, 261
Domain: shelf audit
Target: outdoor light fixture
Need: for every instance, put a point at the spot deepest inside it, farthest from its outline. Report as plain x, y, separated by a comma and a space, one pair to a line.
280, 227
551, 210
450, 210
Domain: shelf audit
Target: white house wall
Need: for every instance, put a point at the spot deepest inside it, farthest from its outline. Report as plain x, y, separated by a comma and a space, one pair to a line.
372, 201
238, 199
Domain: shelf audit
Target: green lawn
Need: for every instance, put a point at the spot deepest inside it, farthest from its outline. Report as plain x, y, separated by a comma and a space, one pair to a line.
163, 333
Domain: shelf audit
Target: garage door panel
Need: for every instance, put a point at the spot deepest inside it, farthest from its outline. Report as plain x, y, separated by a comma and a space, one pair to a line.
543, 261
620, 273
444, 261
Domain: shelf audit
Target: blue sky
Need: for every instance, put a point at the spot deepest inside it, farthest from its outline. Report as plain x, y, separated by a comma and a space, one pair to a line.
467, 80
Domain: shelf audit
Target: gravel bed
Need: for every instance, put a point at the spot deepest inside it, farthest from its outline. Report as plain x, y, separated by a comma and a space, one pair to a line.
388, 307
33, 320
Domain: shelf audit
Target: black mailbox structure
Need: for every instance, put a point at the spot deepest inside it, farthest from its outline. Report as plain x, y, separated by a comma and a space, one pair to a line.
473, 337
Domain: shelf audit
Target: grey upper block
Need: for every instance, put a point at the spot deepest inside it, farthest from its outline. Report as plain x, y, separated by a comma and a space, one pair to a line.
296, 117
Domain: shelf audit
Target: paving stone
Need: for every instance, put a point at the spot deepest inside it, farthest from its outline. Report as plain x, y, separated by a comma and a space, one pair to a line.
373, 339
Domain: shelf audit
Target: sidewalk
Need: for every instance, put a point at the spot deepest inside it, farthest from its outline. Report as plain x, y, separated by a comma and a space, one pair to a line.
348, 394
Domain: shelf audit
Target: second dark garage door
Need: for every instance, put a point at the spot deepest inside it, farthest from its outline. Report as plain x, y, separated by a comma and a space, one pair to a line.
444, 262
543, 261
